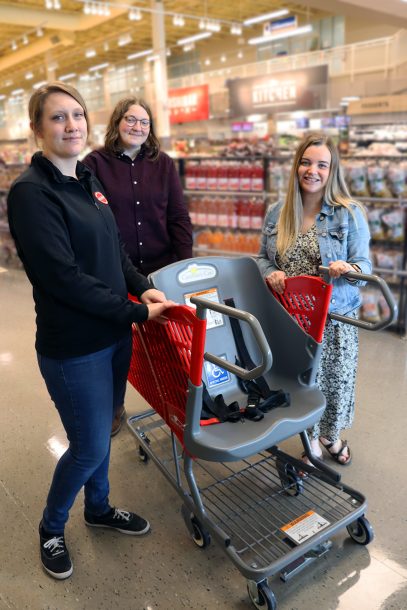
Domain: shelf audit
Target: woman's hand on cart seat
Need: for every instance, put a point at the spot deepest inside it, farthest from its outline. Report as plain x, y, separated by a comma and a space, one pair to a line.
338, 268
276, 280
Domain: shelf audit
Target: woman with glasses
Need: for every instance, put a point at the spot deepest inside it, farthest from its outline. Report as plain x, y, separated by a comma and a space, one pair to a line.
144, 192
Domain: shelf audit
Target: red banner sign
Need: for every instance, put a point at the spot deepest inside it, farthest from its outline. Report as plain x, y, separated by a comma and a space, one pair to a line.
189, 104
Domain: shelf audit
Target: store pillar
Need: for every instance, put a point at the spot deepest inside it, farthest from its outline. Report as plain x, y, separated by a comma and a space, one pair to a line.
160, 73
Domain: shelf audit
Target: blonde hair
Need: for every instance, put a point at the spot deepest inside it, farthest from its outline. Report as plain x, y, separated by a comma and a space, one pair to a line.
39, 97
336, 192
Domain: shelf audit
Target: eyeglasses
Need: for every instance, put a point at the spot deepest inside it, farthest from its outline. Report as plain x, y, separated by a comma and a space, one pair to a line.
132, 121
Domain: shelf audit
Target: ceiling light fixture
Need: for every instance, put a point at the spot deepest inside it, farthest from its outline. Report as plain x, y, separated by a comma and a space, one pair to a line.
69, 76
25, 39
29, 75
266, 17
194, 38
17, 91
135, 14
123, 40
14, 46
39, 32
152, 58
52, 4
90, 53
96, 8
178, 20
99, 67
236, 29
272, 37
140, 54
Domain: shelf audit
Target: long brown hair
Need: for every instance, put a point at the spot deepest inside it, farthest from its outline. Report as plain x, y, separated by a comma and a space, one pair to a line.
336, 192
112, 137
38, 98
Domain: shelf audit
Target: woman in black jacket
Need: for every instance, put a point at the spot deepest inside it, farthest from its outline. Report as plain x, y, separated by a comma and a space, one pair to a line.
67, 239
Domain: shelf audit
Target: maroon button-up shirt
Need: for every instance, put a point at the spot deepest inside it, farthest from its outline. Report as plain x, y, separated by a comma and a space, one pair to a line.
148, 203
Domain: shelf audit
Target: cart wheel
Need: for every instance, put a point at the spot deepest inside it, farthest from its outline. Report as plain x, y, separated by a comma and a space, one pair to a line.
291, 482
142, 455
361, 531
261, 595
200, 536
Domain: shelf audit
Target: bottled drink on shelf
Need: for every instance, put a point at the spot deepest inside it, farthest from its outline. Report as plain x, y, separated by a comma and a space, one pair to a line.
233, 177
190, 176
201, 215
212, 177
211, 205
245, 177
256, 214
223, 183
257, 183
243, 214
201, 177
223, 207
193, 210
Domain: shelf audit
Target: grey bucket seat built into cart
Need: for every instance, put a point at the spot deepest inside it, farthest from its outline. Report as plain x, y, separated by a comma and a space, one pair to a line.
236, 484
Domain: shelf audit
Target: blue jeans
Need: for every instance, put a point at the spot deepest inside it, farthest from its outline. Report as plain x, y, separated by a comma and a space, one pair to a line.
86, 390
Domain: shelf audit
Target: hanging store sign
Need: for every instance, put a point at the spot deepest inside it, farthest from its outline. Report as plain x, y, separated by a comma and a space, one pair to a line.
304, 89
379, 104
189, 104
280, 25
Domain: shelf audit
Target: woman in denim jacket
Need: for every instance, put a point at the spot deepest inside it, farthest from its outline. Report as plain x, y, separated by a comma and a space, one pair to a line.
320, 223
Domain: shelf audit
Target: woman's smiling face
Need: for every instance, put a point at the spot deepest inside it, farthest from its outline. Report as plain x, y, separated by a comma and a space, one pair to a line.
314, 168
134, 135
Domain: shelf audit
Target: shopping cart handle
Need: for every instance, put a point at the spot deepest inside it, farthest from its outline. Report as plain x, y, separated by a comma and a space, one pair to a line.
384, 289
232, 312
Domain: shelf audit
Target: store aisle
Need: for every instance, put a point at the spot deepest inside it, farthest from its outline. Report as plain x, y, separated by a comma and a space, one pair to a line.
164, 570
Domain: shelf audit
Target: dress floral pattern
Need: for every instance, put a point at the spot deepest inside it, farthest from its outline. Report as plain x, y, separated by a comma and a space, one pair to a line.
337, 369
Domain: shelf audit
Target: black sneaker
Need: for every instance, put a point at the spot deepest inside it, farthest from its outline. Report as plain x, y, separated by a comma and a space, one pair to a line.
121, 520
54, 555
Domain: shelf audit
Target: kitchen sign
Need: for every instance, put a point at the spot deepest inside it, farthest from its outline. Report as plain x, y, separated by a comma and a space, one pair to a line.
303, 89
189, 104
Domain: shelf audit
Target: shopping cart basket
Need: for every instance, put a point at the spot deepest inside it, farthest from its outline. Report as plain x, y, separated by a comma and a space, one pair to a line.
236, 485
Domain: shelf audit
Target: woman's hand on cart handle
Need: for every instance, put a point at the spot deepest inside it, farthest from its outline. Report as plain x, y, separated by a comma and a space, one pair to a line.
155, 310
152, 295
157, 303
338, 268
276, 281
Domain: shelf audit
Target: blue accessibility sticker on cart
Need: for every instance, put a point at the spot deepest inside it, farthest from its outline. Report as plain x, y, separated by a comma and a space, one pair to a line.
215, 375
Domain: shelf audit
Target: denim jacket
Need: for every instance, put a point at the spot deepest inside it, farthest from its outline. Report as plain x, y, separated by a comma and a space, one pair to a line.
341, 236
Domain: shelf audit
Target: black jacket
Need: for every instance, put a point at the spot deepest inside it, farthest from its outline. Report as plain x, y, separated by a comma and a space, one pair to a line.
67, 239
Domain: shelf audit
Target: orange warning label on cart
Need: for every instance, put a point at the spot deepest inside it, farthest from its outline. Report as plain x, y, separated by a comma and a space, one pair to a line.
304, 527
298, 520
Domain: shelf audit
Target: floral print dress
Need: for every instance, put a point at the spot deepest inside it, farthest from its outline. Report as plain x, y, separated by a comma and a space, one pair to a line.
337, 369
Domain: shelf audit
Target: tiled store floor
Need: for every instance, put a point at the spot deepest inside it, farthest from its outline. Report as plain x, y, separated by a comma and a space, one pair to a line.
165, 570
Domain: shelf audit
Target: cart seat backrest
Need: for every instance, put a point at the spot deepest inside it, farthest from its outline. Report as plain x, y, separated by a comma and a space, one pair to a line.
219, 278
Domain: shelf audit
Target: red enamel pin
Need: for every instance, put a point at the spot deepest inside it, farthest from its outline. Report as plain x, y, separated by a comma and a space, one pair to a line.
100, 197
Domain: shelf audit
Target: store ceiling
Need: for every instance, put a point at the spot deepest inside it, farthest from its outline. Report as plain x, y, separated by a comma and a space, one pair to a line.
69, 33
